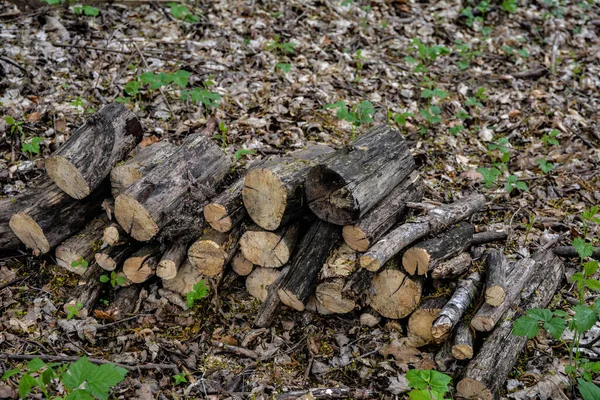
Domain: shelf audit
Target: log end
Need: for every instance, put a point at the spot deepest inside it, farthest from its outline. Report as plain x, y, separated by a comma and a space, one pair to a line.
369, 263
482, 323
30, 233
440, 332
65, 258
356, 238
241, 265
470, 388
257, 283
266, 249
207, 256
217, 217
134, 218
329, 295
329, 198
139, 269
105, 262
395, 295
369, 319
166, 269
67, 177
462, 351
111, 236
416, 261
495, 295
290, 299
265, 198
123, 176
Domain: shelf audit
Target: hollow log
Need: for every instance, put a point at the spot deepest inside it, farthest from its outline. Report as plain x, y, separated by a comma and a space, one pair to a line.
424, 256
141, 266
113, 235
394, 294
269, 249
344, 187
266, 314
81, 247
488, 316
112, 257
329, 295
462, 343
241, 265
213, 251
54, 216
435, 221
171, 260
369, 317
421, 320
146, 159
257, 283
453, 267
391, 210
451, 313
273, 193
313, 250
486, 372
571, 252
151, 202
495, 291
342, 262
80, 165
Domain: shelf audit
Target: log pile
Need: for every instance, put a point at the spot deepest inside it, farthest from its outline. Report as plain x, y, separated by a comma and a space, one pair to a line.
323, 230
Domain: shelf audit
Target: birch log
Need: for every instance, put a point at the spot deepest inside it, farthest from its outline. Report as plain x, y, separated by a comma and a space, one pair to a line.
495, 291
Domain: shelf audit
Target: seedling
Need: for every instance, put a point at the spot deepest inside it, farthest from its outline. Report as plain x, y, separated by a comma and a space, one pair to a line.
284, 67
510, 6
222, 136
180, 378
242, 152
79, 263
182, 13
427, 384
73, 311
551, 138
285, 47
466, 55
32, 146
199, 291
86, 10
425, 55
114, 279
401, 118
545, 166
361, 113
512, 182
15, 126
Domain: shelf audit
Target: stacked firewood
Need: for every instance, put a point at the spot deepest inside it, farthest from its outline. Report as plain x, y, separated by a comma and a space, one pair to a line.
331, 231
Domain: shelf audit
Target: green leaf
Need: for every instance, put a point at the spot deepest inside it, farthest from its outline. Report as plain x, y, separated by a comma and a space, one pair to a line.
426, 93
104, 278
593, 284
90, 11
440, 93
509, 6
584, 248
121, 280
181, 78
490, 175
286, 68
584, 318
35, 365
588, 390
439, 382
33, 146
522, 186
78, 373
545, 166
417, 379
596, 306
27, 383
541, 314
419, 395
79, 394
10, 373
561, 313
103, 378
133, 87
242, 152
455, 130
526, 326
556, 327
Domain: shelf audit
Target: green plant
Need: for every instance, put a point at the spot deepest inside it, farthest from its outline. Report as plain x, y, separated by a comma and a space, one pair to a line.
32, 146
87, 10
512, 182
581, 318
285, 67
510, 6
285, 47
427, 384
15, 126
401, 118
545, 166
182, 13
73, 310
466, 54
114, 279
199, 291
79, 263
180, 378
361, 113
80, 380
477, 98
551, 138
241, 153
222, 136
425, 55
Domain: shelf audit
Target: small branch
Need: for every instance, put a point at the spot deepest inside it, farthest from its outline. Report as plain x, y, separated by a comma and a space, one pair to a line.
240, 351
44, 357
13, 282
14, 64
571, 252
329, 393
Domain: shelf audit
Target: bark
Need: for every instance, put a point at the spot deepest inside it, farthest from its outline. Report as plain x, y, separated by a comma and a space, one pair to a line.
394, 294
150, 203
81, 246
462, 343
257, 283
421, 320
488, 237
226, 211
433, 222
570, 252
270, 249
424, 256
54, 216
486, 373
183, 283
172, 260
146, 159
313, 250
452, 268
82, 163
266, 314
213, 251
329, 295
488, 316
359, 286
342, 262
241, 265
112, 257
273, 194
345, 186
452, 312
113, 235
370, 318
391, 210
495, 292
141, 266
87, 291
126, 301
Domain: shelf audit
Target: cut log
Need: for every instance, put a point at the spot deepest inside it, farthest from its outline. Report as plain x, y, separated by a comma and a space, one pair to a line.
146, 159
488, 237
125, 302
269, 249
273, 193
313, 306
82, 163
452, 268
488, 316
424, 256
486, 373
313, 250
113, 235
359, 286
370, 318
183, 283
241, 265
342, 262
452, 312
213, 251
395, 295
226, 211
141, 266
344, 187
112, 257
172, 260
149, 204
54, 216
257, 283
266, 314
81, 247
571, 252
433, 222
462, 344
329, 295
84, 296
495, 291
421, 320
391, 210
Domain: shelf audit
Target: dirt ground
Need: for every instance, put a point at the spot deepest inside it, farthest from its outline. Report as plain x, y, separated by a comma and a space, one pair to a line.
491, 99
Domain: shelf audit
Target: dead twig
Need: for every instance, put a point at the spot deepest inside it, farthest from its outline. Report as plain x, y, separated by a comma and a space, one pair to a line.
44, 357
240, 351
14, 64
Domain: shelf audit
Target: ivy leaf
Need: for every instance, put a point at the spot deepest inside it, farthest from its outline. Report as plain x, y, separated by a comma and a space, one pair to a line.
584, 318
584, 248
588, 390
541, 314
526, 326
556, 327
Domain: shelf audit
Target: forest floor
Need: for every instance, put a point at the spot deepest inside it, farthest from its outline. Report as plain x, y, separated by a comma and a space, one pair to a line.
492, 99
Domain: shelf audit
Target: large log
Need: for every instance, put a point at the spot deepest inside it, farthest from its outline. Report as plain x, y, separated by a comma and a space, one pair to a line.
81, 247
146, 159
213, 251
424, 256
435, 221
314, 248
82, 163
394, 294
269, 249
273, 193
266, 314
257, 283
171, 260
227, 209
54, 216
421, 321
391, 210
488, 316
486, 373
495, 291
345, 186
151, 202
88, 290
